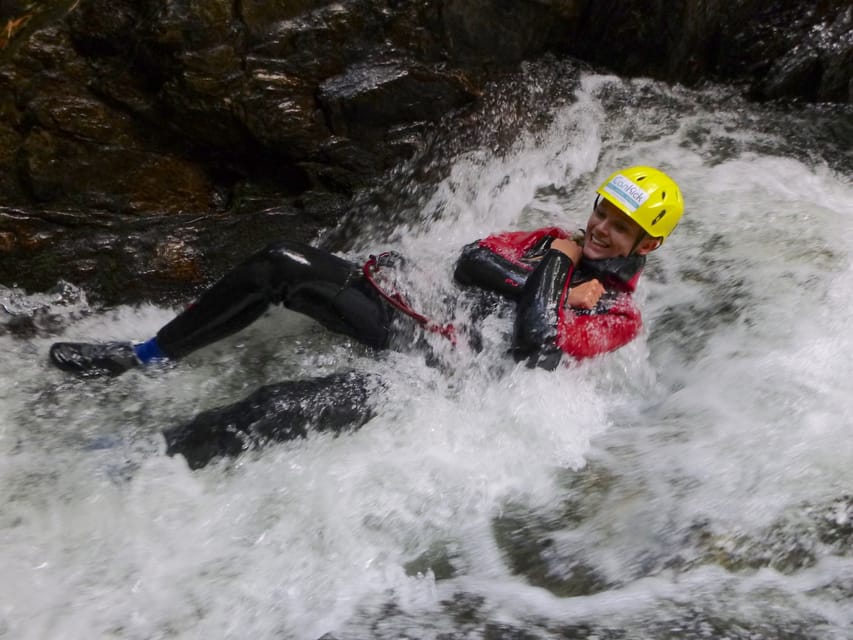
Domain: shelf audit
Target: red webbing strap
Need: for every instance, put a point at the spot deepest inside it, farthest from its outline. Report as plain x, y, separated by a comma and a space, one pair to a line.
397, 301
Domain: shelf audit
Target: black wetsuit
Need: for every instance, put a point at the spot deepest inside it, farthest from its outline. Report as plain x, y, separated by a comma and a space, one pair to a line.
336, 293
302, 278
275, 413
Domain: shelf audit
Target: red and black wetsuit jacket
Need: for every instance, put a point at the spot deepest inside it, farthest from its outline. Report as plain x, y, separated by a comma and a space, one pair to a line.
521, 265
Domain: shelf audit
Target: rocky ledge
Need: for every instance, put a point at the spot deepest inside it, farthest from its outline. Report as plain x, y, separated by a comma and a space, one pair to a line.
122, 122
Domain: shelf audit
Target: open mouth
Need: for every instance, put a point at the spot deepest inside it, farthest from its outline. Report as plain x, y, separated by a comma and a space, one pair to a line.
599, 243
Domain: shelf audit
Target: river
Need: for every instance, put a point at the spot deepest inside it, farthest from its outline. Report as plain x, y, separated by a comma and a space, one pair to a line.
694, 484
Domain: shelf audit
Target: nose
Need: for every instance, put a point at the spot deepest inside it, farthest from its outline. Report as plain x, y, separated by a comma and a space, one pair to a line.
603, 226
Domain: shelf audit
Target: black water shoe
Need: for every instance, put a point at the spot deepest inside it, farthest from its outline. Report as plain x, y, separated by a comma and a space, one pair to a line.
93, 360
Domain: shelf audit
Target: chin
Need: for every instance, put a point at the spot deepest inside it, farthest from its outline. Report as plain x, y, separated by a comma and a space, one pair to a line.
591, 253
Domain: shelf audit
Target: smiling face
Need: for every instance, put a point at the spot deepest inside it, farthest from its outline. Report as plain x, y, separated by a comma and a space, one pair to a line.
610, 234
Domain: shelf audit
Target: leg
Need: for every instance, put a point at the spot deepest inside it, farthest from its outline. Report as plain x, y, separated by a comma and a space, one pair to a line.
303, 278
274, 413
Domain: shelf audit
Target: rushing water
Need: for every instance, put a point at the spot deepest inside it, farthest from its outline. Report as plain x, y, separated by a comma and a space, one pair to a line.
681, 487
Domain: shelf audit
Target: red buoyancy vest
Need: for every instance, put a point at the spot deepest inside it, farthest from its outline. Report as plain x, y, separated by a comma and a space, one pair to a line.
580, 333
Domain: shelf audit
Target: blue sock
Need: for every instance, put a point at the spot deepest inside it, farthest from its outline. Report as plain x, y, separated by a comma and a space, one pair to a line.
148, 351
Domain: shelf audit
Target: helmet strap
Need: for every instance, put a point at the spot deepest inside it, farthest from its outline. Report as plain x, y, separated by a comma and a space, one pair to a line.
643, 235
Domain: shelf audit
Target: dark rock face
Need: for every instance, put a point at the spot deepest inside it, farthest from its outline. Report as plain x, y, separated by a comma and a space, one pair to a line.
198, 107
778, 48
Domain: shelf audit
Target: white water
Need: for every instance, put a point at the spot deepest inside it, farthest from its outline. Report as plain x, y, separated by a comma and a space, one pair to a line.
732, 410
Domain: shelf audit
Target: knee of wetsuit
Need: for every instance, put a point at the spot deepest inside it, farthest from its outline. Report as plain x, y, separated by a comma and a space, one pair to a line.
300, 262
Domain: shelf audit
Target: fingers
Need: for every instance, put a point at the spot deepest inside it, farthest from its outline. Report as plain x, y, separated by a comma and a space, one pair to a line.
586, 295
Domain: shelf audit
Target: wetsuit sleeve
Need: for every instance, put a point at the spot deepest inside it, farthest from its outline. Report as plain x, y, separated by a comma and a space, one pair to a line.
535, 336
481, 267
503, 262
546, 327
584, 335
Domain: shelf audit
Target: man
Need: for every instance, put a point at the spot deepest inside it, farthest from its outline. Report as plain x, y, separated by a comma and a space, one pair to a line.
572, 295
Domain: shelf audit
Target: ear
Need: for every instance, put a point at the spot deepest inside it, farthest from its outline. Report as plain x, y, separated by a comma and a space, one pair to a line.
647, 245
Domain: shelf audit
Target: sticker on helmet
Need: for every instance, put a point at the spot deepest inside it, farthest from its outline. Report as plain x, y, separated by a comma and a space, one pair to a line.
626, 191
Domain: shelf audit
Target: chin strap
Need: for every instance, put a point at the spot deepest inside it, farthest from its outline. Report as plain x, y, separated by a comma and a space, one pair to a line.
643, 236
622, 269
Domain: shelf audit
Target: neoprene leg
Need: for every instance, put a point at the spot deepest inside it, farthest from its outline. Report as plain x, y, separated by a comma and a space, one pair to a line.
303, 278
274, 413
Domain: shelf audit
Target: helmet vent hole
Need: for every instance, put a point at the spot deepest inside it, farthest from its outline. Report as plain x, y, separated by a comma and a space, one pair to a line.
658, 217
663, 195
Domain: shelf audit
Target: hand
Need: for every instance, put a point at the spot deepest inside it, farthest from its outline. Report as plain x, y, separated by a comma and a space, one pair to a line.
569, 247
586, 295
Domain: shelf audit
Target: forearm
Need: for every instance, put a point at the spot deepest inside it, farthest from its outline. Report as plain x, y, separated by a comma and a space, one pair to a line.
481, 267
538, 314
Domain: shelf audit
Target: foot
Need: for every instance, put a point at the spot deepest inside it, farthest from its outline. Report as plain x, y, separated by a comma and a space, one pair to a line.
93, 360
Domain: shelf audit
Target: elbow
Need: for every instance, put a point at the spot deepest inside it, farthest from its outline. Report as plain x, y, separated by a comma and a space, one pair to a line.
466, 265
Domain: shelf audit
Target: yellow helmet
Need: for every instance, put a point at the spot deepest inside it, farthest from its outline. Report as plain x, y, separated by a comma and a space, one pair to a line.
646, 195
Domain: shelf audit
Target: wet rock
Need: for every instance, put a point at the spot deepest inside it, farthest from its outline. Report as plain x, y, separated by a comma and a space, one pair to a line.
279, 109
538, 558
838, 590
157, 109
7, 241
174, 259
368, 97
26, 316
314, 40
68, 172
778, 550
796, 74
77, 150
468, 615
201, 93
699, 625
816, 66
98, 28
498, 631
64, 108
465, 608
784, 48
835, 524
521, 27
10, 185
588, 632
188, 24
584, 493
440, 559
795, 542
837, 60
122, 261
548, 546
